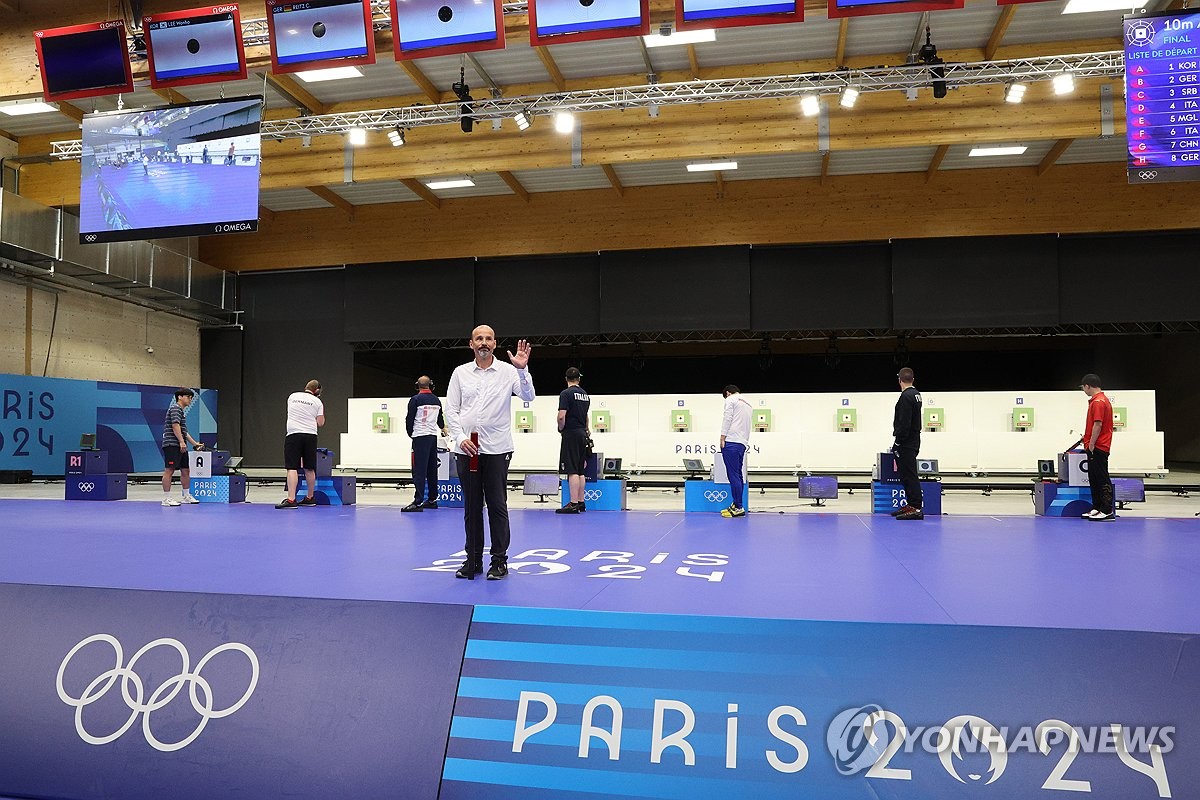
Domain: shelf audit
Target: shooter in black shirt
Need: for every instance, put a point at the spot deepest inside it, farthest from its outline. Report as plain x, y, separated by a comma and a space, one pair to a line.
906, 428
573, 405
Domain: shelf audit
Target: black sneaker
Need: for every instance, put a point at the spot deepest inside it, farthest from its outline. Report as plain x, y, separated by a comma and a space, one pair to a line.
308, 501
569, 508
287, 503
901, 510
430, 504
498, 569
470, 568
911, 513
413, 507
582, 506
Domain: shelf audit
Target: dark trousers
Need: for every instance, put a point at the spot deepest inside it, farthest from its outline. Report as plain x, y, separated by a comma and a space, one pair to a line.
489, 483
425, 467
734, 455
1100, 482
906, 466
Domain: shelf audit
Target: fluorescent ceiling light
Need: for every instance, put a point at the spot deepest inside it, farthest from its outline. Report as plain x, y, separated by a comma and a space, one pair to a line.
1000, 150
849, 97
1084, 6
21, 108
711, 166
1015, 93
680, 37
564, 121
457, 183
1064, 83
331, 74
358, 136
810, 104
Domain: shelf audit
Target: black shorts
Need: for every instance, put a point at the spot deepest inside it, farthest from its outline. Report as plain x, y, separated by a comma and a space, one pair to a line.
174, 457
300, 451
572, 453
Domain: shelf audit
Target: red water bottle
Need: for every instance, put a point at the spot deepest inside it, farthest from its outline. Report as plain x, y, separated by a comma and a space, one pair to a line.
475, 455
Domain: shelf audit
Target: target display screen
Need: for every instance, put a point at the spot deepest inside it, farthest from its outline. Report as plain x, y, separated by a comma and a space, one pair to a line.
195, 46
1162, 96
320, 33
84, 60
555, 21
443, 27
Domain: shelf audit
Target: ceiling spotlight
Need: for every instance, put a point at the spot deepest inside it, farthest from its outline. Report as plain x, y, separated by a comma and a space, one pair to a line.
998, 150
357, 136
810, 104
522, 119
937, 70
849, 97
712, 166
396, 137
453, 183
1015, 93
1064, 83
564, 121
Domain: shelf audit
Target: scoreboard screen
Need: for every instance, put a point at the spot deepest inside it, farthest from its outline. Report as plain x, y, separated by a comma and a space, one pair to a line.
1162, 96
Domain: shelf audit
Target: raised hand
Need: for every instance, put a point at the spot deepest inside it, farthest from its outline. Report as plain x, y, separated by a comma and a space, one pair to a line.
521, 359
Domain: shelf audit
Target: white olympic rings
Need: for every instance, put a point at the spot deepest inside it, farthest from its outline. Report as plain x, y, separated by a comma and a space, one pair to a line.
160, 697
716, 495
87, 487
592, 494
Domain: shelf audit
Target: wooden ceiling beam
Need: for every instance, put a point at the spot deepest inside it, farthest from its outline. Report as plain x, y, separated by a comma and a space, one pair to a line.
295, 94
421, 80
514, 184
551, 66
1052, 157
422, 191
613, 180
69, 111
993, 42
825, 166
839, 56
171, 96
693, 61
265, 214
936, 161
720, 185
334, 199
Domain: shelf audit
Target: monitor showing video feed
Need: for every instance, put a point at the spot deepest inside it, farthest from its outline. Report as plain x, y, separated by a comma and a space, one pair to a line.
185, 170
858, 8
422, 28
319, 34
697, 14
84, 60
557, 21
200, 45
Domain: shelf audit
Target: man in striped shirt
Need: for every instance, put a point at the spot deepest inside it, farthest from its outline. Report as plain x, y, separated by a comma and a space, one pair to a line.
175, 440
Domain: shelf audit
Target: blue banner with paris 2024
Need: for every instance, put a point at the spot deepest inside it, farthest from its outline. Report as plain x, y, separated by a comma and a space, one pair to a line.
43, 418
582, 705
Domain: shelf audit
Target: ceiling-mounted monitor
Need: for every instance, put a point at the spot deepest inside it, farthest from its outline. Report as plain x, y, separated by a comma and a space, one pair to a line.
1162, 96
862, 8
319, 34
422, 28
199, 45
183, 170
693, 15
561, 21
84, 60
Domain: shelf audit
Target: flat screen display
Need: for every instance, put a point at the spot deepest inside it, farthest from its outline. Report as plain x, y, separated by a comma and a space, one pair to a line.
858, 8
1162, 96
185, 170
200, 45
84, 60
319, 34
557, 21
423, 28
692, 14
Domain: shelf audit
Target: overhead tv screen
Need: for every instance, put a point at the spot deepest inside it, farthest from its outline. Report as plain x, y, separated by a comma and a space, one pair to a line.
84, 60
1162, 96
200, 45
319, 34
185, 170
859, 8
558, 21
423, 28
694, 14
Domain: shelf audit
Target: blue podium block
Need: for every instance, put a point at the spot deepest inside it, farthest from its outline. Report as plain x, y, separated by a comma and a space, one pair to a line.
220, 489
606, 495
87, 462
711, 496
220, 462
886, 497
324, 467
338, 490
450, 493
1051, 499
114, 486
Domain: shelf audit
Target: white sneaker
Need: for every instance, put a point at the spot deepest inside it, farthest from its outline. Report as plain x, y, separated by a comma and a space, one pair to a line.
1093, 514
170, 501
187, 498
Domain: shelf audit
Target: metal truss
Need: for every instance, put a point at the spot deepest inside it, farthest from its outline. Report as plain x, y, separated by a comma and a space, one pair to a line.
725, 90
647, 338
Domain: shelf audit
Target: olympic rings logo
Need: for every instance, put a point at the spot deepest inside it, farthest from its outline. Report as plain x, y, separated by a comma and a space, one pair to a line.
160, 697
87, 487
1148, 175
716, 495
592, 494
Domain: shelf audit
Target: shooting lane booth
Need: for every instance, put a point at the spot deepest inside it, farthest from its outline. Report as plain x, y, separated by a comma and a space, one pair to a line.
87, 475
715, 494
331, 490
887, 492
215, 478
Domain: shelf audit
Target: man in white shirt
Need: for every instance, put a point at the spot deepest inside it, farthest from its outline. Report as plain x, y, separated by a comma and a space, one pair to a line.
305, 413
480, 422
735, 435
